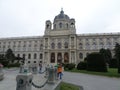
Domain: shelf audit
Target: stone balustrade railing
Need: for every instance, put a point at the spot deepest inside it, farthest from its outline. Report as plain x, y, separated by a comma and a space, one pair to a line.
24, 80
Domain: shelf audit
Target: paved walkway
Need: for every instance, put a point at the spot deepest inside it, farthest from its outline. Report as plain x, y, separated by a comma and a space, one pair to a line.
9, 81
89, 82
92, 82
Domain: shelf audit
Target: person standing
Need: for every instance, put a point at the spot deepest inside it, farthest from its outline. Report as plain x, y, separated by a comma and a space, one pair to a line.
40, 67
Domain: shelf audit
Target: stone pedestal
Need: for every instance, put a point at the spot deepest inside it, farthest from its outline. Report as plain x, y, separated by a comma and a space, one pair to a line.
24, 81
56, 76
34, 70
52, 75
47, 72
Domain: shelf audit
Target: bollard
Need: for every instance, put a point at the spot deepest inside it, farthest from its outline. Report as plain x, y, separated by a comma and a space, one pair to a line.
24, 81
51, 76
21, 69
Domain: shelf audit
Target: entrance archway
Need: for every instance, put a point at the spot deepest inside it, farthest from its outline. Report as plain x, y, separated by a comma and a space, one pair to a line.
59, 58
52, 60
66, 58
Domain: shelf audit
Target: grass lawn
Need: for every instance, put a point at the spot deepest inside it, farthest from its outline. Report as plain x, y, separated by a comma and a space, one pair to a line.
66, 86
111, 72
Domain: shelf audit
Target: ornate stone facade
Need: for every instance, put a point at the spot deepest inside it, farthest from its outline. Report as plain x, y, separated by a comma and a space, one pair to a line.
60, 43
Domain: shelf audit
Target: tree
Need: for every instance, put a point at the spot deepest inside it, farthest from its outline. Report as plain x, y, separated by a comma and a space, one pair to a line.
9, 56
106, 54
2, 58
109, 54
117, 55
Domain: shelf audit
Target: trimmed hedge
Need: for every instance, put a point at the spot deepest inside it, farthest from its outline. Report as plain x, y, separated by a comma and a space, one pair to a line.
96, 62
82, 66
113, 63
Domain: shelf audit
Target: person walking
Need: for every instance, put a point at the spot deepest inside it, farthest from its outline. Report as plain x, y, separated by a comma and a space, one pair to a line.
59, 71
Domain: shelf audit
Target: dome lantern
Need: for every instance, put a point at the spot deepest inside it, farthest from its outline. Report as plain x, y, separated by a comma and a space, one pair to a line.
61, 16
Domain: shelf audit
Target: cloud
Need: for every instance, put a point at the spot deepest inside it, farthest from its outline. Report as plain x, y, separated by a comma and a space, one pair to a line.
27, 17
105, 18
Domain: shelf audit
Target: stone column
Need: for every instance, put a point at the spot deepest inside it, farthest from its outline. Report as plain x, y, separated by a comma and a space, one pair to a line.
62, 57
75, 58
24, 81
56, 57
70, 61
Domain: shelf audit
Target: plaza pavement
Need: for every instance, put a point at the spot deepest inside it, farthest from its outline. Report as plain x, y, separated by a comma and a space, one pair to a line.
89, 82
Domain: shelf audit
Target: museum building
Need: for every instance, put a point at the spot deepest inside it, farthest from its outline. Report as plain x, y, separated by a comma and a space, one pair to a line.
60, 43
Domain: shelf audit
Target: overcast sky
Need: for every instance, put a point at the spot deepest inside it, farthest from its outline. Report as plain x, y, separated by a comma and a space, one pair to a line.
27, 17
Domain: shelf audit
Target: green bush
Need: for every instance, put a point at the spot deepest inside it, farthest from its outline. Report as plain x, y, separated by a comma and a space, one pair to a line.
13, 65
69, 66
96, 62
5, 63
82, 66
65, 66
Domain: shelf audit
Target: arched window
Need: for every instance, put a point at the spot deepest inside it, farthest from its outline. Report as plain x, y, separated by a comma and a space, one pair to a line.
52, 45
72, 24
66, 44
23, 56
35, 55
59, 45
41, 56
29, 56
60, 25
81, 55
59, 57
52, 58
